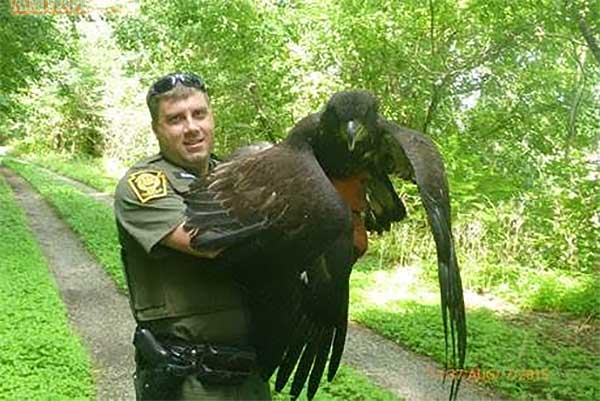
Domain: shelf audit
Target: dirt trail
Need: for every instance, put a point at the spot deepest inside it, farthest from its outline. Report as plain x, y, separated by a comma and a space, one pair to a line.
92, 300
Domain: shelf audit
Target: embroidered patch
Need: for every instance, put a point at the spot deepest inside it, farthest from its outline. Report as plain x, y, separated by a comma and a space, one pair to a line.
148, 184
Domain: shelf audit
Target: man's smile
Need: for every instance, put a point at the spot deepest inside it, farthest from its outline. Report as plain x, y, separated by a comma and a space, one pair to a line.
194, 144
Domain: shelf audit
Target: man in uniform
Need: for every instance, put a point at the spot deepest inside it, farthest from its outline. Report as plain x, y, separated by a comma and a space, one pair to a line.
193, 322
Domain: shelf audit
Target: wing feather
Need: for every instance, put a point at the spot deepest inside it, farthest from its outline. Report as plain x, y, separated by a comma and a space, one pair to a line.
306, 363
415, 156
293, 353
325, 343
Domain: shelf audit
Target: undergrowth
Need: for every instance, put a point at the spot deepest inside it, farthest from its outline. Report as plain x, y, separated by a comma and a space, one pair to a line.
40, 358
495, 257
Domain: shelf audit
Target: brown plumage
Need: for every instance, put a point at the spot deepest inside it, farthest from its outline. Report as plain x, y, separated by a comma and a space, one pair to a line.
289, 218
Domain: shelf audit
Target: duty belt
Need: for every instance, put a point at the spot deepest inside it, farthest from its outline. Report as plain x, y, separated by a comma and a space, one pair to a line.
211, 363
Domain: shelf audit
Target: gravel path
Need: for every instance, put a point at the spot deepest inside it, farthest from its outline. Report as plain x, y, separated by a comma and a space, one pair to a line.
409, 375
92, 299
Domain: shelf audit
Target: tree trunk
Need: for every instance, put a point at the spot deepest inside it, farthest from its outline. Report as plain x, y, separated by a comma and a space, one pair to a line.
580, 85
585, 30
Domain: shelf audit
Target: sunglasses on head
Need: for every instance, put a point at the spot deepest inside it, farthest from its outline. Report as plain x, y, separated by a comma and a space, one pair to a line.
170, 81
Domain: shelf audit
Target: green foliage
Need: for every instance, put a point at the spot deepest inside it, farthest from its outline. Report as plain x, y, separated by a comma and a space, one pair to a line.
553, 291
507, 91
92, 220
349, 385
526, 360
50, 92
27, 45
60, 113
40, 357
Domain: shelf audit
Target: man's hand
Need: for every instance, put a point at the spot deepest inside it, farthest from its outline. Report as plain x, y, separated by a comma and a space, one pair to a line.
179, 239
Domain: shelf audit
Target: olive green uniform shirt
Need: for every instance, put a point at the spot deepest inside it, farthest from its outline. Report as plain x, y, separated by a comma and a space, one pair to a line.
163, 282
173, 293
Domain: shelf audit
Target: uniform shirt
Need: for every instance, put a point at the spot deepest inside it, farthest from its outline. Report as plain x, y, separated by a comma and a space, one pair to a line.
164, 283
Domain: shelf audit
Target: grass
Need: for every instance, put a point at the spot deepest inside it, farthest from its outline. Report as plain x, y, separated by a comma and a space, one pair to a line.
514, 354
40, 358
348, 385
93, 172
94, 223
91, 220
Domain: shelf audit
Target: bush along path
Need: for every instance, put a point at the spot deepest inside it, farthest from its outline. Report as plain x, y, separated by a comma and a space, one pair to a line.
390, 366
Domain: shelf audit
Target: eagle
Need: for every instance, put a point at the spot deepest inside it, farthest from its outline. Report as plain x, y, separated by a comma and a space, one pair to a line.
291, 219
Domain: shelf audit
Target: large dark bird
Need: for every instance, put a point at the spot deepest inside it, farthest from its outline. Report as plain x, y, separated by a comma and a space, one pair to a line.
291, 221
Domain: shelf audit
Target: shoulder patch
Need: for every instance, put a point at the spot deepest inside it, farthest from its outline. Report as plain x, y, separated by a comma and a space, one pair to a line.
148, 184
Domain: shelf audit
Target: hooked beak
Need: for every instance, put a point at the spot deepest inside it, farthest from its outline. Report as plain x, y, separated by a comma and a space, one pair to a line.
354, 129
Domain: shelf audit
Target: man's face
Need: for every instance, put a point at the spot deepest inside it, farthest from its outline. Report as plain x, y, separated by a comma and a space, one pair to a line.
184, 129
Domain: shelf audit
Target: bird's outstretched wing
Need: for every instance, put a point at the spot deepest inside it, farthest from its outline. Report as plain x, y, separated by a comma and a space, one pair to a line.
287, 234
412, 156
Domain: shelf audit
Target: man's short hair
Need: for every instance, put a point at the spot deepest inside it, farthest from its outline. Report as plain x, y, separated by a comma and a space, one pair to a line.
174, 86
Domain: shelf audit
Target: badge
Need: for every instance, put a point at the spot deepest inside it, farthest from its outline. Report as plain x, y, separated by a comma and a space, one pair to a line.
148, 184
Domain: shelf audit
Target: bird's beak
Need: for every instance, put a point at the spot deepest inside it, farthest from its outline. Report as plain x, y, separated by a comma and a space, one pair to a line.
354, 130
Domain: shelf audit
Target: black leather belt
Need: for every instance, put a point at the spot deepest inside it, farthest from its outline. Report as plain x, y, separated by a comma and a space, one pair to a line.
213, 364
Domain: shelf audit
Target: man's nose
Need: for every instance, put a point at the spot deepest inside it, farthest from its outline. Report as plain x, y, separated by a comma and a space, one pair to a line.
191, 125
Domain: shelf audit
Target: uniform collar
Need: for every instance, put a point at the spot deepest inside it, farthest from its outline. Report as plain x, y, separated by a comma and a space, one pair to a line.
179, 178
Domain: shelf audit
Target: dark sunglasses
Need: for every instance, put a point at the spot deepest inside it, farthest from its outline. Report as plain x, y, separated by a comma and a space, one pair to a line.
170, 81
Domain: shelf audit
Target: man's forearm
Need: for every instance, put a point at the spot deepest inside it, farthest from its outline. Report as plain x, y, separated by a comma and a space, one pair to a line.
180, 239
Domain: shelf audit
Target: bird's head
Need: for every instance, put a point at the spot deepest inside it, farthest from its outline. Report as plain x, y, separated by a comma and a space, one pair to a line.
350, 116
348, 125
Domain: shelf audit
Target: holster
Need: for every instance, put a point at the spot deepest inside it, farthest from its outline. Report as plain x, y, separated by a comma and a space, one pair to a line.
171, 361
